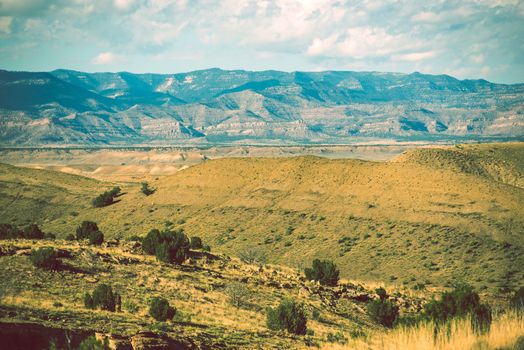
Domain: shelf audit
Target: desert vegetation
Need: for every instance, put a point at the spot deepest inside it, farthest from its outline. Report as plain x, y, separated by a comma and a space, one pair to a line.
169, 285
106, 198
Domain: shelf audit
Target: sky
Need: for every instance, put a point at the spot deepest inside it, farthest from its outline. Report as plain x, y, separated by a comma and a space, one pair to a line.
466, 39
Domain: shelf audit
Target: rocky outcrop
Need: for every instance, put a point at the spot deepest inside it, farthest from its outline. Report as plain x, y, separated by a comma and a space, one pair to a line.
209, 106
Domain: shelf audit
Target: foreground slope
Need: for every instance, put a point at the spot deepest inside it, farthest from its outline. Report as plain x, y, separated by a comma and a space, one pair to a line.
427, 218
37, 304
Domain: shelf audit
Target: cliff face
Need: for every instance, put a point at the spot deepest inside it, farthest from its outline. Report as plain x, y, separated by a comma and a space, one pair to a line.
214, 106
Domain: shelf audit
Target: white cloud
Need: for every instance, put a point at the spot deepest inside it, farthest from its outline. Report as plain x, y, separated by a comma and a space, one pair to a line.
361, 42
124, 5
416, 56
106, 58
5, 24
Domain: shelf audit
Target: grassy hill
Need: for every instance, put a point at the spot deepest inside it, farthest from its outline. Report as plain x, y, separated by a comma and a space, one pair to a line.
430, 217
32, 298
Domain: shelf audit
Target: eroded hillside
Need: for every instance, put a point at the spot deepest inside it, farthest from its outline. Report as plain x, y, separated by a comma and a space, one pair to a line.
418, 220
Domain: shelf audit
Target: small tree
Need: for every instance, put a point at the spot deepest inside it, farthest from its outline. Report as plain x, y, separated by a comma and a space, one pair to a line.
85, 229
517, 300
196, 243
167, 246
460, 302
383, 312
88, 301
8, 231
96, 238
145, 189
46, 258
33, 232
289, 315
326, 272
381, 292
151, 241
238, 294
104, 298
160, 309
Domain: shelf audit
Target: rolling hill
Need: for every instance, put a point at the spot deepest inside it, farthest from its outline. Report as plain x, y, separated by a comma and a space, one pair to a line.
425, 218
215, 106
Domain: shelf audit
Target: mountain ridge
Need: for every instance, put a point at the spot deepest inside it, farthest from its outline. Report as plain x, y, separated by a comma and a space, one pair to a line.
66, 107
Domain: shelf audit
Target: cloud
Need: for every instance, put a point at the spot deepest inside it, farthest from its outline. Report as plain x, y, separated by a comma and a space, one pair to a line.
416, 56
106, 58
360, 43
390, 35
5, 24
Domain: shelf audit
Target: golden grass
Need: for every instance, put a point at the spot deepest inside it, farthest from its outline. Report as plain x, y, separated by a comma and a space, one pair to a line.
505, 330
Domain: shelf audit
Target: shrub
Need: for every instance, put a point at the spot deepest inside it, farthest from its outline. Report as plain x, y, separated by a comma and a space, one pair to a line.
115, 191
381, 292
517, 300
85, 229
151, 241
252, 256
106, 198
196, 243
481, 318
46, 258
33, 232
88, 301
96, 238
383, 312
238, 294
160, 310
167, 246
8, 231
104, 298
326, 272
49, 236
289, 315
70, 237
460, 302
90, 343
146, 189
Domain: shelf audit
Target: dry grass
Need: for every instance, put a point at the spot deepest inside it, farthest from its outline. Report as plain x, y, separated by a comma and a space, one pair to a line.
505, 330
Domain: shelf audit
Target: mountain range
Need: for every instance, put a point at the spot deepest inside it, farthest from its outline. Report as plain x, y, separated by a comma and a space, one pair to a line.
215, 106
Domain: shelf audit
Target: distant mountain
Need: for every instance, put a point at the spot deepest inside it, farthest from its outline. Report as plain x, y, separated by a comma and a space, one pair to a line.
66, 107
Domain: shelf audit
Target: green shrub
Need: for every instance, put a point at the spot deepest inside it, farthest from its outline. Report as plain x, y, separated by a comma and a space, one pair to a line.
90, 343
85, 229
106, 198
104, 298
460, 302
167, 246
337, 337
46, 258
96, 238
33, 232
8, 231
49, 236
70, 237
88, 301
196, 243
289, 315
383, 312
517, 300
326, 272
381, 292
145, 189
481, 318
160, 309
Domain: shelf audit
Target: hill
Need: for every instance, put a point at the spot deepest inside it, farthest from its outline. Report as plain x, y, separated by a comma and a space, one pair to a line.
419, 220
38, 305
215, 106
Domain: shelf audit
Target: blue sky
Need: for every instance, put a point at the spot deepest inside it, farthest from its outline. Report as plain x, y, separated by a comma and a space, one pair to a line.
466, 39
